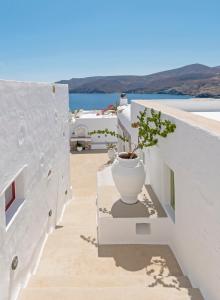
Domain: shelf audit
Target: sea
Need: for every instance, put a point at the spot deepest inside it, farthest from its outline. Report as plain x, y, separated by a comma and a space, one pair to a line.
101, 101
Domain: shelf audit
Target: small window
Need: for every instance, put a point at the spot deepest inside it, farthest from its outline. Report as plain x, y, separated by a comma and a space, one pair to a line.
9, 195
169, 191
172, 190
13, 196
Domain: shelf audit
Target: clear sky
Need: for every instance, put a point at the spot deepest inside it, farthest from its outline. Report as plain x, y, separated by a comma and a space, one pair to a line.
49, 40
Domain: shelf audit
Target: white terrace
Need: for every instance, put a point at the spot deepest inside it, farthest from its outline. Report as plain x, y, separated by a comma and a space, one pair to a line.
98, 247
84, 121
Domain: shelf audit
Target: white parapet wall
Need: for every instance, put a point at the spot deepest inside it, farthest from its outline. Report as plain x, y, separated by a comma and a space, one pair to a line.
192, 153
92, 120
34, 175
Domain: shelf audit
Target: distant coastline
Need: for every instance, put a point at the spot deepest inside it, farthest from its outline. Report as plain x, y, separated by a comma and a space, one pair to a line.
194, 80
171, 93
141, 93
115, 92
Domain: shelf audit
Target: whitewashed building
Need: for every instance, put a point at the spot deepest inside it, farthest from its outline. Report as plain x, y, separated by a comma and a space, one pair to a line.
34, 175
86, 121
180, 206
183, 171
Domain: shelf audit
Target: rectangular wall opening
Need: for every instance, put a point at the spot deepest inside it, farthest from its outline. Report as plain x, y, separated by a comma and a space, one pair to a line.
9, 195
172, 190
169, 192
13, 196
143, 228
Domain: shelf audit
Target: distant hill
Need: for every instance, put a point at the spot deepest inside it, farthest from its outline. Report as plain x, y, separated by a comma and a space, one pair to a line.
196, 80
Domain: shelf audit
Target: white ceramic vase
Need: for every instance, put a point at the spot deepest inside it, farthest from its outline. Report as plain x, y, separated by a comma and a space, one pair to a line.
129, 177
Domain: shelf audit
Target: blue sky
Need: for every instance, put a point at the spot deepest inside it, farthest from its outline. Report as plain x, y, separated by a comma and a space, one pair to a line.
48, 40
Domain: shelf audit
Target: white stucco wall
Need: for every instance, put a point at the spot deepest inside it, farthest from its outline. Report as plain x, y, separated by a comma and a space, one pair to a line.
125, 128
213, 115
34, 138
194, 105
123, 230
96, 123
124, 117
192, 152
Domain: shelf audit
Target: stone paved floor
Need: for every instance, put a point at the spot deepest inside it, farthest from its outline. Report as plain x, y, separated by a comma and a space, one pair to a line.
72, 262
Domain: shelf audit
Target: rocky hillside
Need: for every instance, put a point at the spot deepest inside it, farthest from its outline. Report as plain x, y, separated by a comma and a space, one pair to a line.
196, 80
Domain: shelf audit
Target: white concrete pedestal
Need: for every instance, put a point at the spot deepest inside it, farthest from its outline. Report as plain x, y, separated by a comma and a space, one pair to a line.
118, 223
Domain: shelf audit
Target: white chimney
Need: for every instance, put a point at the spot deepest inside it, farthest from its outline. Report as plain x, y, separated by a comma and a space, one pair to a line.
123, 99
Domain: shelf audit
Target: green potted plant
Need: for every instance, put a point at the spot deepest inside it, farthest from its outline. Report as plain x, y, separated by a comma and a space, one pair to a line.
128, 170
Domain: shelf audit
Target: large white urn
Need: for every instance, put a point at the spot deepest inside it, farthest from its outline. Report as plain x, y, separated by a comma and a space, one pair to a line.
129, 177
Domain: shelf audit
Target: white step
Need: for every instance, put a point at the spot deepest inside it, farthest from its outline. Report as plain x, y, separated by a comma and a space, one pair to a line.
89, 280
108, 280
110, 294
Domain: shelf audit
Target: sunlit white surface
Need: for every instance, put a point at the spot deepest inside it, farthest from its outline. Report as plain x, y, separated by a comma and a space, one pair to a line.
214, 115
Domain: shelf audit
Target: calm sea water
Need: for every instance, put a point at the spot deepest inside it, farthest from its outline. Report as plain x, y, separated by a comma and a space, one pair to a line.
100, 101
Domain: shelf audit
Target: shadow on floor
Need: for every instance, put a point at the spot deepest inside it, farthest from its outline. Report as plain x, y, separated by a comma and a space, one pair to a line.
147, 205
59, 227
155, 259
158, 262
89, 240
123, 210
105, 211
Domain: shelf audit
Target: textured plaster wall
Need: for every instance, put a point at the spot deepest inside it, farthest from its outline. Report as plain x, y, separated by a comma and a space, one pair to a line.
125, 128
98, 123
192, 152
34, 138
